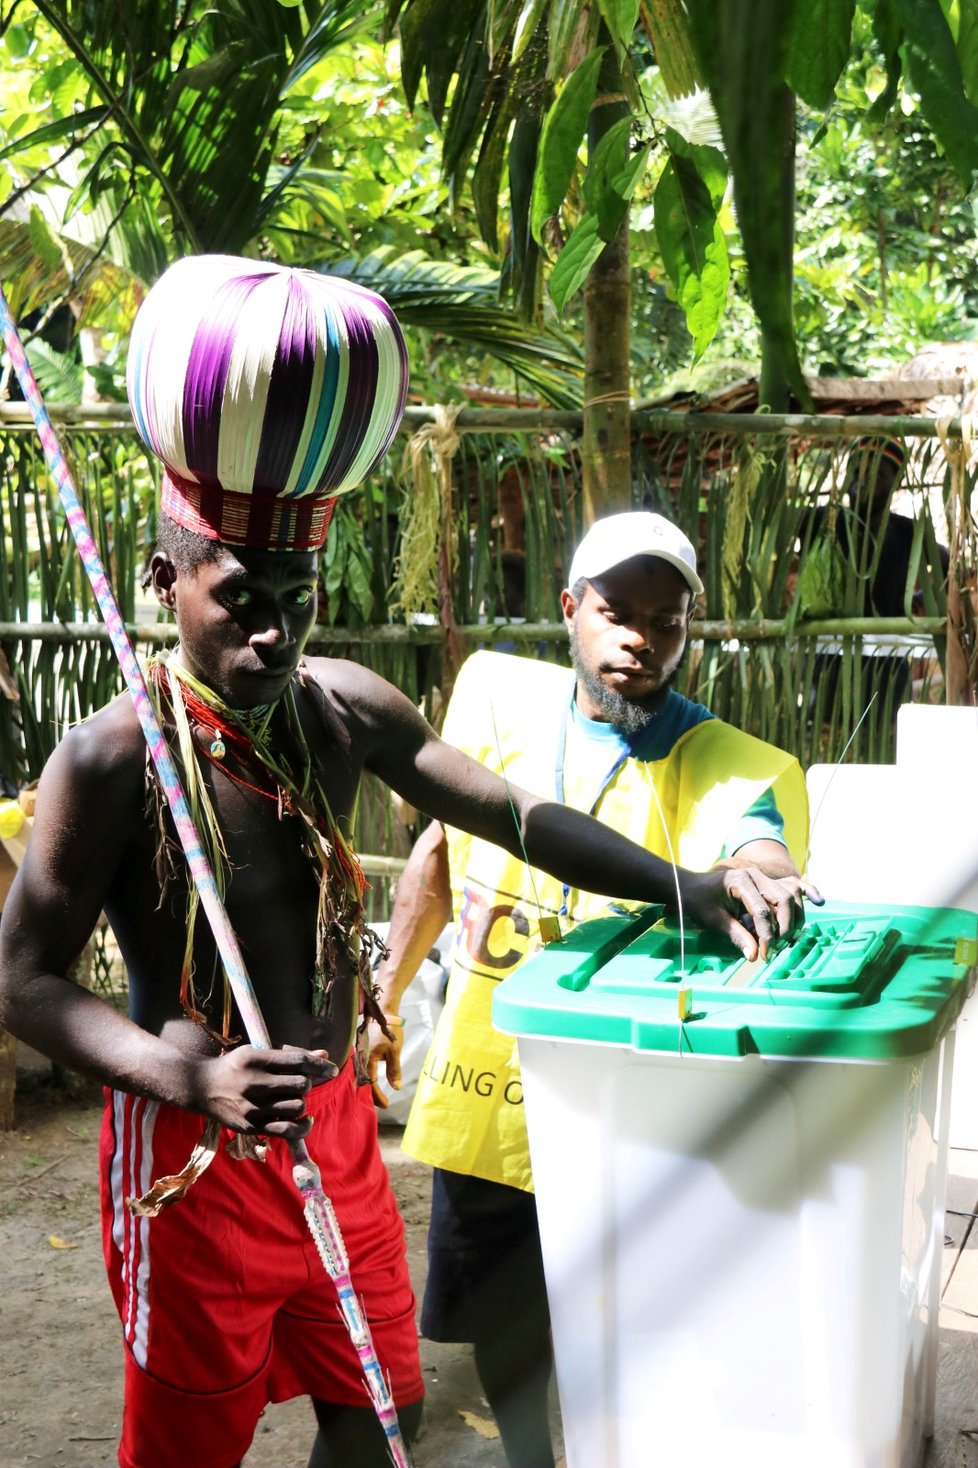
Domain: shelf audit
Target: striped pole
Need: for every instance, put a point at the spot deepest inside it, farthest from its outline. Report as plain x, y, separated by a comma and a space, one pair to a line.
318, 1209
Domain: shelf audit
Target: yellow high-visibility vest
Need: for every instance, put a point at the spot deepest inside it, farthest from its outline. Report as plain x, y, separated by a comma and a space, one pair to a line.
508, 712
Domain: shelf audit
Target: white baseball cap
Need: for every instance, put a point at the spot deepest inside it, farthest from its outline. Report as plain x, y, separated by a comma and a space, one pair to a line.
636, 533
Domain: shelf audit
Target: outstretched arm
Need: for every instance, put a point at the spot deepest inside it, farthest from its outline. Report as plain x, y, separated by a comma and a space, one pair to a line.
422, 908
722, 899
406, 753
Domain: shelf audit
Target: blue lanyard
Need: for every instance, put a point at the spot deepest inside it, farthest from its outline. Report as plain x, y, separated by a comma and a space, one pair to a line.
559, 784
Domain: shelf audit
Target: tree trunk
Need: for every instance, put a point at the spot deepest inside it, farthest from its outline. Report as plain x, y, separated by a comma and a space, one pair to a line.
774, 390
607, 466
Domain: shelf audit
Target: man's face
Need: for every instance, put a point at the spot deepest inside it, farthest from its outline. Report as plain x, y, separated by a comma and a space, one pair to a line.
628, 638
243, 619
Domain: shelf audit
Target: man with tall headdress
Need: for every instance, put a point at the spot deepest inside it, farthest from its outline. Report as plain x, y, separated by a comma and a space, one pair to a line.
266, 392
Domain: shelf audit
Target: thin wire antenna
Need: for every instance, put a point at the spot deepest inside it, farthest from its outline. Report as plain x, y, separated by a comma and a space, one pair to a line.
818, 808
512, 807
675, 878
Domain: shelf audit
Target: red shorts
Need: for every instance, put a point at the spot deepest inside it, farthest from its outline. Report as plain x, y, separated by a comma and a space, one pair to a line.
224, 1301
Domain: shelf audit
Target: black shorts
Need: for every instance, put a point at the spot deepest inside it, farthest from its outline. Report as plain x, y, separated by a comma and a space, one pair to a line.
485, 1265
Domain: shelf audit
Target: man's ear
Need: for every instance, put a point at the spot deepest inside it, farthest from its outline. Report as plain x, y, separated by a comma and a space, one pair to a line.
568, 606
163, 577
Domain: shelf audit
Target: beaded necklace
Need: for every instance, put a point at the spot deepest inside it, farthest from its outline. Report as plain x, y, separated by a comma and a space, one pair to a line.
240, 745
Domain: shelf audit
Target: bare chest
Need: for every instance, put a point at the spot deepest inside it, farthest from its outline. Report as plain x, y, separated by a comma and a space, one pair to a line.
269, 869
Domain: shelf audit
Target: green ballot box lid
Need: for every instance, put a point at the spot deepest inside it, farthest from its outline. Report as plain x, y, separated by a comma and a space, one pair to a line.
855, 983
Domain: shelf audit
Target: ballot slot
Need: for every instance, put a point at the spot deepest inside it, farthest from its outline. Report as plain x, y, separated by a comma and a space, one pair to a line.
841, 960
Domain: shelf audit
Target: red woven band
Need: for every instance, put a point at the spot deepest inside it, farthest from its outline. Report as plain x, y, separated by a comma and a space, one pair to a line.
258, 520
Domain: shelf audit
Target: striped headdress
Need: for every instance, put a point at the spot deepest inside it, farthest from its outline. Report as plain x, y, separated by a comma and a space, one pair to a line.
266, 392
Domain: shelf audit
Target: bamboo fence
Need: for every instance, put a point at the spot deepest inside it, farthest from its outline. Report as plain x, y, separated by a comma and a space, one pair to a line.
788, 647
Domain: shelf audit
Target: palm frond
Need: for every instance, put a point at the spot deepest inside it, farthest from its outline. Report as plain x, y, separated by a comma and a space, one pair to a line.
33, 282
58, 375
461, 302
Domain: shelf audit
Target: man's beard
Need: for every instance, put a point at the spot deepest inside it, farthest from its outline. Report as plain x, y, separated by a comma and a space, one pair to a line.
623, 713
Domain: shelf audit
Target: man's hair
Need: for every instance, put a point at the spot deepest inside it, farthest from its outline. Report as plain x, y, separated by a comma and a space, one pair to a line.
185, 548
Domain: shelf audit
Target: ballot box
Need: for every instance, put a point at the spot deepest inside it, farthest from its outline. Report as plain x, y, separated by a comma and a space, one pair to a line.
740, 1175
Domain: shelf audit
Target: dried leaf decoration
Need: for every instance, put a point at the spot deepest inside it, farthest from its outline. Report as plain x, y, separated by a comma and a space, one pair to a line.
170, 1189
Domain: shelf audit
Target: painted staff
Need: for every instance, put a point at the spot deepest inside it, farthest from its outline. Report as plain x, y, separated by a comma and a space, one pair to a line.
317, 1207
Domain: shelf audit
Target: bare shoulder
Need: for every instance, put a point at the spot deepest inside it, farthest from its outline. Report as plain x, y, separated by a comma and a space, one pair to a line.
361, 698
106, 754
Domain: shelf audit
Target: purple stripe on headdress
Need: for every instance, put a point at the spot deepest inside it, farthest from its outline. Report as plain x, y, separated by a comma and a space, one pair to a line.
289, 390
207, 371
361, 389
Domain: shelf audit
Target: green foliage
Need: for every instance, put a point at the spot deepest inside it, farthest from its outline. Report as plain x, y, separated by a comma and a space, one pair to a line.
620, 17
606, 173
460, 303
282, 130
572, 31
505, 59
751, 53
690, 238
192, 95
346, 567
743, 46
887, 255
822, 579
58, 376
935, 70
675, 52
573, 264
818, 48
239, 126
609, 183
563, 129
968, 47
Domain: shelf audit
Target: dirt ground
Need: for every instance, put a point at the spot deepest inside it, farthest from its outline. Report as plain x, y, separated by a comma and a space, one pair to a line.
60, 1348
60, 1352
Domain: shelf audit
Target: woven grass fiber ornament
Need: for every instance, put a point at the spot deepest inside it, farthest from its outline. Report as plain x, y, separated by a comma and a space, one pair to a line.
266, 392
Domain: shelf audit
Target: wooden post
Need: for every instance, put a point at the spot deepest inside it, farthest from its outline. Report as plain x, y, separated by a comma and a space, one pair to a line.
606, 457
961, 654
8, 1044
